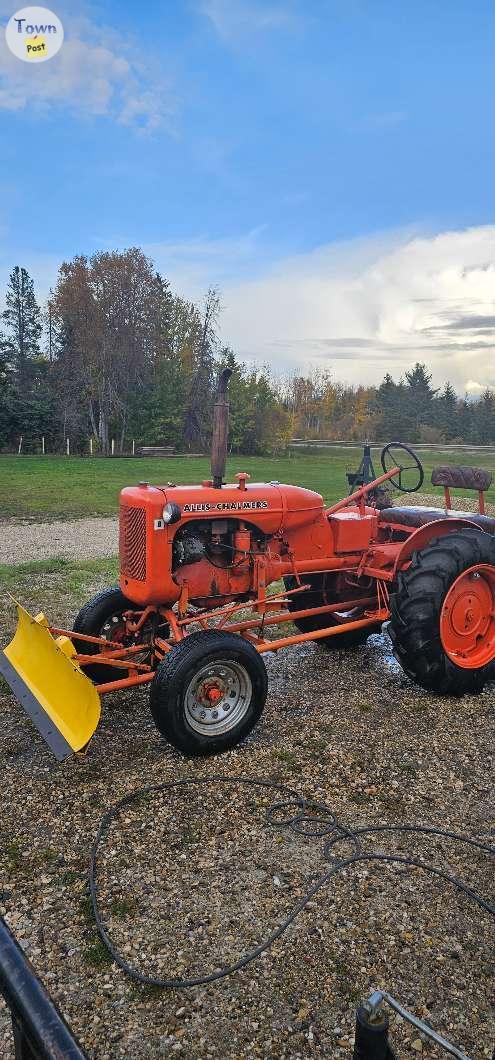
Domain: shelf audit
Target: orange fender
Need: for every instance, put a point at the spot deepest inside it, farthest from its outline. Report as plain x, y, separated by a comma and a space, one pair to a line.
421, 537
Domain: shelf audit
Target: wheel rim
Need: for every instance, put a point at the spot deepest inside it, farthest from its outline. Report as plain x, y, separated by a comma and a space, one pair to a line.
218, 697
467, 618
114, 629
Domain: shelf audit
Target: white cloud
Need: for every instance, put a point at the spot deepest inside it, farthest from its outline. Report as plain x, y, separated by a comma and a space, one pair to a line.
232, 19
374, 305
95, 73
474, 389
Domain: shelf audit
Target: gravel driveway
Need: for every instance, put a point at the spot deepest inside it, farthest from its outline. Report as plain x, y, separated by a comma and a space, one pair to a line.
190, 880
78, 539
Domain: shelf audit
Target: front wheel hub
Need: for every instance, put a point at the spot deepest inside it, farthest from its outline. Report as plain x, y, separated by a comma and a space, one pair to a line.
218, 697
467, 618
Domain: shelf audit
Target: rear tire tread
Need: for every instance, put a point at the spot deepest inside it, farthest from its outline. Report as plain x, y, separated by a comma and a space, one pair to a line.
415, 610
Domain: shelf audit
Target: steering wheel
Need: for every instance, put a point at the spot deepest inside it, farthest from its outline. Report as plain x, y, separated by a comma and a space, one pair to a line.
391, 456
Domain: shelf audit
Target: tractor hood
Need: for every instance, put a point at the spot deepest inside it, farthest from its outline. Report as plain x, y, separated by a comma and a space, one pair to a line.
264, 503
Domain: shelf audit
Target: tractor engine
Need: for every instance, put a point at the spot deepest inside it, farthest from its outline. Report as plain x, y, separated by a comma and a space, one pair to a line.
214, 541
210, 544
222, 550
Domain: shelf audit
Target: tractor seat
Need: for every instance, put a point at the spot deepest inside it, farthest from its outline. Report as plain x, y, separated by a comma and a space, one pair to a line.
416, 517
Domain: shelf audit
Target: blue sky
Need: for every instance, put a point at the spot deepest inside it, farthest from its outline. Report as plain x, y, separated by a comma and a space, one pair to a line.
290, 152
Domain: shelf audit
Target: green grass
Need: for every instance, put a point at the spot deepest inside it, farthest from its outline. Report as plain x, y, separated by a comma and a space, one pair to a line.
36, 487
97, 955
71, 576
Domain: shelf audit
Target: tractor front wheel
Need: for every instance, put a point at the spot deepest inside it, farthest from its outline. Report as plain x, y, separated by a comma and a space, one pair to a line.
208, 692
102, 616
442, 621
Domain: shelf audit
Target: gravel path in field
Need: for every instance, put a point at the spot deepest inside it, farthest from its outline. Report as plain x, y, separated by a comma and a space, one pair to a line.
77, 539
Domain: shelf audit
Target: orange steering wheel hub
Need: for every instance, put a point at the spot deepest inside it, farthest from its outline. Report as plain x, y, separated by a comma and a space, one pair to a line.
467, 618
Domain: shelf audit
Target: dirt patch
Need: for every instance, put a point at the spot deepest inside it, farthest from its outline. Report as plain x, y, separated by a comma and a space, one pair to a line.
191, 880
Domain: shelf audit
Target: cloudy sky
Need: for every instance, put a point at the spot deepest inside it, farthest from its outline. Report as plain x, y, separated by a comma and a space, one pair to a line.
329, 164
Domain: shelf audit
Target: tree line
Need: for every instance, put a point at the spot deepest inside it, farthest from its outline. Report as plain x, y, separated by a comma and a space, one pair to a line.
114, 354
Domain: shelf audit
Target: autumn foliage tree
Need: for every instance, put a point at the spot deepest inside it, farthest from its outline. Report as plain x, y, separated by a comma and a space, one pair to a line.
113, 310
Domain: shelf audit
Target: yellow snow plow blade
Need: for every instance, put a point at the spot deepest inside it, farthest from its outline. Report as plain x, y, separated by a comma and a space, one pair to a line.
61, 701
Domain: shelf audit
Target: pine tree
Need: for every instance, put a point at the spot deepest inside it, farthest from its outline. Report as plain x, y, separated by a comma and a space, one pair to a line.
447, 410
23, 323
418, 395
8, 422
466, 416
485, 418
394, 421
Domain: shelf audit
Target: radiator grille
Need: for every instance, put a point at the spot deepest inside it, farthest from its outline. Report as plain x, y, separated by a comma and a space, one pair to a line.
133, 542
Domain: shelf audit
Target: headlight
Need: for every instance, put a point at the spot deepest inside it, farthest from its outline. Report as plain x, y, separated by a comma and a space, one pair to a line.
171, 513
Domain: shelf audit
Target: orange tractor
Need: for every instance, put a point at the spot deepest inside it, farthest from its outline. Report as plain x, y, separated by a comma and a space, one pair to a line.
192, 615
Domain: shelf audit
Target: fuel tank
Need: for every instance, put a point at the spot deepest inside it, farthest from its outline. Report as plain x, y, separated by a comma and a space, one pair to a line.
146, 538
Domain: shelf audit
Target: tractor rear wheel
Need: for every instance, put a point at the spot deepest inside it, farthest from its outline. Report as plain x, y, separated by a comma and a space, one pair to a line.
328, 589
102, 617
208, 692
442, 621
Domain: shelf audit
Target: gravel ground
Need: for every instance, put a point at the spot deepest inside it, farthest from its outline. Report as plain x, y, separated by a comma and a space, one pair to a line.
73, 539
94, 538
192, 879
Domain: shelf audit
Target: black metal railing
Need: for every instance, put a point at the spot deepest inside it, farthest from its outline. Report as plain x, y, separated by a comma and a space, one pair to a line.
39, 1030
372, 1041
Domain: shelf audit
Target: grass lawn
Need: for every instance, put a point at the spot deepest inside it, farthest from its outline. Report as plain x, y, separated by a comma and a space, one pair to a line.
52, 486
60, 578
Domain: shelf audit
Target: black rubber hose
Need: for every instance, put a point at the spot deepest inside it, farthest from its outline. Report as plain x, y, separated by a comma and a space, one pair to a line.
303, 817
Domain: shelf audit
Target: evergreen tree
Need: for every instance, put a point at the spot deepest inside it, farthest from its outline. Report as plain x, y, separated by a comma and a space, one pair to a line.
419, 395
485, 418
446, 413
466, 418
7, 416
23, 323
393, 419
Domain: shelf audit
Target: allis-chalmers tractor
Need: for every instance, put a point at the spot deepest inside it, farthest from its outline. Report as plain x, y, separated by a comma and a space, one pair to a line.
192, 615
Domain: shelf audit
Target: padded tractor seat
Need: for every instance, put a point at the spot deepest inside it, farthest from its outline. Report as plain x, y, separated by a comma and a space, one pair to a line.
416, 517
460, 477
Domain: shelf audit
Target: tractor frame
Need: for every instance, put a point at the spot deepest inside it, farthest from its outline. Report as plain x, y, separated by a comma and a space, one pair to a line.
380, 562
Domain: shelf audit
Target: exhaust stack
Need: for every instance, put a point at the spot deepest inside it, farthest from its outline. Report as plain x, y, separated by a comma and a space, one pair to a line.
220, 429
